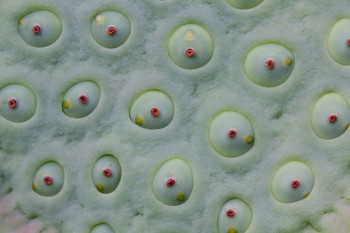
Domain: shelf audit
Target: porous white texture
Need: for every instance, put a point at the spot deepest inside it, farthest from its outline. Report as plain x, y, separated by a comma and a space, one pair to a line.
280, 116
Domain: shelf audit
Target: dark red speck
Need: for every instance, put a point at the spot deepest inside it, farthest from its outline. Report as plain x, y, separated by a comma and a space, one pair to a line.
111, 30
107, 172
83, 99
230, 213
12, 103
36, 29
48, 180
170, 182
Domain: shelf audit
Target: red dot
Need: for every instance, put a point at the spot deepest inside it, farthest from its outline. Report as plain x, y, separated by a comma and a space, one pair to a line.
294, 184
190, 52
107, 172
155, 112
270, 64
36, 29
48, 180
83, 99
230, 213
12, 103
111, 30
232, 133
332, 118
348, 42
170, 182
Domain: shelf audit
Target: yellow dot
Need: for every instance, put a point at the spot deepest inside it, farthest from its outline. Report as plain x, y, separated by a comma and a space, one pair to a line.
306, 195
66, 104
21, 21
100, 19
139, 120
189, 35
34, 186
346, 126
100, 187
249, 139
231, 230
287, 60
180, 197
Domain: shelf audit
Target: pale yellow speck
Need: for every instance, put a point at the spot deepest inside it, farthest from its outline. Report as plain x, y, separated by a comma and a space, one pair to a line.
100, 187
66, 104
100, 19
346, 126
34, 186
287, 60
249, 139
21, 21
180, 197
139, 120
306, 195
231, 230
189, 35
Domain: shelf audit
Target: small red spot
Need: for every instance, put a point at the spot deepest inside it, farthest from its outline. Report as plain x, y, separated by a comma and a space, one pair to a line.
155, 112
12, 103
332, 118
348, 42
232, 133
270, 64
107, 172
294, 184
230, 213
36, 29
111, 30
48, 180
190, 52
83, 99
170, 182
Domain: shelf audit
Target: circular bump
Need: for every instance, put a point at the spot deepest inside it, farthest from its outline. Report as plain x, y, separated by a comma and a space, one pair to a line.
106, 174
102, 228
152, 110
244, 4
110, 29
231, 134
190, 46
48, 179
17, 103
81, 99
292, 182
269, 65
173, 183
339, 42
40, 28
330, 116
235, 216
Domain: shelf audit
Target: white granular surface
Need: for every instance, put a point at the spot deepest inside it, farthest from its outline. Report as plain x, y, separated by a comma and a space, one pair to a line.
280, 116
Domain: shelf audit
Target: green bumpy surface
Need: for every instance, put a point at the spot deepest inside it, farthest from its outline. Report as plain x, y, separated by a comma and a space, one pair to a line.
111, 116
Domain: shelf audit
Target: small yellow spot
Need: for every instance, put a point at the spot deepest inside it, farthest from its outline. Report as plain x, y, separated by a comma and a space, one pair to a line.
100, 187
306, 195
249, 139
34, 187
231, 230
346, 126
287, 60
180, 197
66, 104
139, 120
100, 19
21, 21
189, 35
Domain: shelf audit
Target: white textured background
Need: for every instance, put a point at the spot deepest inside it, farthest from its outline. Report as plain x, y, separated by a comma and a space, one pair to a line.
143, 63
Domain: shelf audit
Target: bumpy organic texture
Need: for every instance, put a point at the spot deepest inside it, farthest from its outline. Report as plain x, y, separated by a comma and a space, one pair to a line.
50, 158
